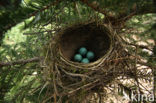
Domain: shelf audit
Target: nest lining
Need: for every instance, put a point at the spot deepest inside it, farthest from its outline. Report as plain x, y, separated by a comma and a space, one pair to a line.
95, 37
90, 36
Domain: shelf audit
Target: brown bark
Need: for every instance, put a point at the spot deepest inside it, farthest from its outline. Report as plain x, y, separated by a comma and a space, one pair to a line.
19, 62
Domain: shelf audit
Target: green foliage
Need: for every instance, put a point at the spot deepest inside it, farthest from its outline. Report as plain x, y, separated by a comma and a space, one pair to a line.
18, 81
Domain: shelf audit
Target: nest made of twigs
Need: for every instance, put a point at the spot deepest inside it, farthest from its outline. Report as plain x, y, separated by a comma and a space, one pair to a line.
74, 81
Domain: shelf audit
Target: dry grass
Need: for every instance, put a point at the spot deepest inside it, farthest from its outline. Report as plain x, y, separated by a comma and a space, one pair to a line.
82, 83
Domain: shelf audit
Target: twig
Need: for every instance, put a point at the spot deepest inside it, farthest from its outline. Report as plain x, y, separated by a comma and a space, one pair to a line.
74, 75
45, 8
22, 61
36, 33
77, 9
140, 46
96, 8
84, 86
61, 10
147, 64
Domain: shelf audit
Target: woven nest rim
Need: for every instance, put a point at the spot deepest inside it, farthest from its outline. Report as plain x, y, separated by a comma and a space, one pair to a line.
100, 60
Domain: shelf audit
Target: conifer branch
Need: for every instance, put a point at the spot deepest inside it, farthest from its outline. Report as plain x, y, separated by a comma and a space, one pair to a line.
19, 62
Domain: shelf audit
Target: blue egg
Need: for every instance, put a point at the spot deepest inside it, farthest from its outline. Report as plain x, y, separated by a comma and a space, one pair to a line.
78, 57
83, 51
90, 55
85, 60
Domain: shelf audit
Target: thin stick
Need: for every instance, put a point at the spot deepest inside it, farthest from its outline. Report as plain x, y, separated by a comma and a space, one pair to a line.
18, 62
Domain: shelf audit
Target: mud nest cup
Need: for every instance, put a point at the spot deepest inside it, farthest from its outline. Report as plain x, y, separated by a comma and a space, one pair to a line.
72, 79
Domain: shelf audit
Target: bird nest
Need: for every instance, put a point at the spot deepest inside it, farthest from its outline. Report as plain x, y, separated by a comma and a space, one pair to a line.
73, 81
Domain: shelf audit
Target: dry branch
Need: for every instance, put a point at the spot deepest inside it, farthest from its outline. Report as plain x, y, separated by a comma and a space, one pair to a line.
22, 61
